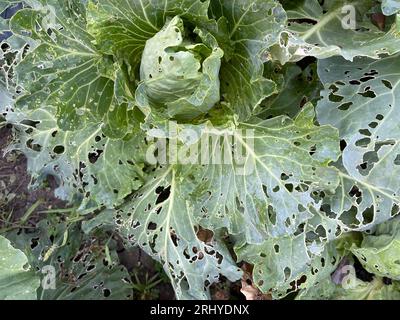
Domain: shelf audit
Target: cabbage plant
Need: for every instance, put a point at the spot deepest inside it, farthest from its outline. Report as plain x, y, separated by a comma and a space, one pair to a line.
270, 126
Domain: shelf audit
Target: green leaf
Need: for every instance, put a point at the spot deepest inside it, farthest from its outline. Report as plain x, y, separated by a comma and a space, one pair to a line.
81, 269
296, 87
11, 54
278, 183
360, 100
359, 290
379, 253
17, 280
287, 264
133, 22
96, 169
6, 89
64, 68
160, 220
251, 27
329, 33
266, 188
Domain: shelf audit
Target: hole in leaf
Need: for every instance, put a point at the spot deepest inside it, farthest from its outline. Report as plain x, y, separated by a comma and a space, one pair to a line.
387, 84
59, 149
345, 106
368, 94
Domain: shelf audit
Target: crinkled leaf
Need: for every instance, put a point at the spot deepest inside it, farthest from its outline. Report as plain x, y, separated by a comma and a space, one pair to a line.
358, 290
179, 75
17, 280
251, 28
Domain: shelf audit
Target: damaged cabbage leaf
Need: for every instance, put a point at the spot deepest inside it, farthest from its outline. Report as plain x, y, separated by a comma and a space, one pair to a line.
160, 220
296, 88
11, 53
79, 264
265, 187
355, 290
327, 30
17, 279
63, 68
360, 100
379, 253
90, 167
287, 264
163, 216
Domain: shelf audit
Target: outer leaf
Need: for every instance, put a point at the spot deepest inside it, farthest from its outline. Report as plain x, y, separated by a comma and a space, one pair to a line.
269, 192
6, 88
10, 54
267, 195
101, 170
360, 99
359, 290
17, 281
379, 253
133, 22
64, 68
326, 36
161, 221
83, 270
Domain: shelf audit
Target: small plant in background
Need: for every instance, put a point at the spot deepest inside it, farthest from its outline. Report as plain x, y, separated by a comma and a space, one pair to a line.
146, 289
